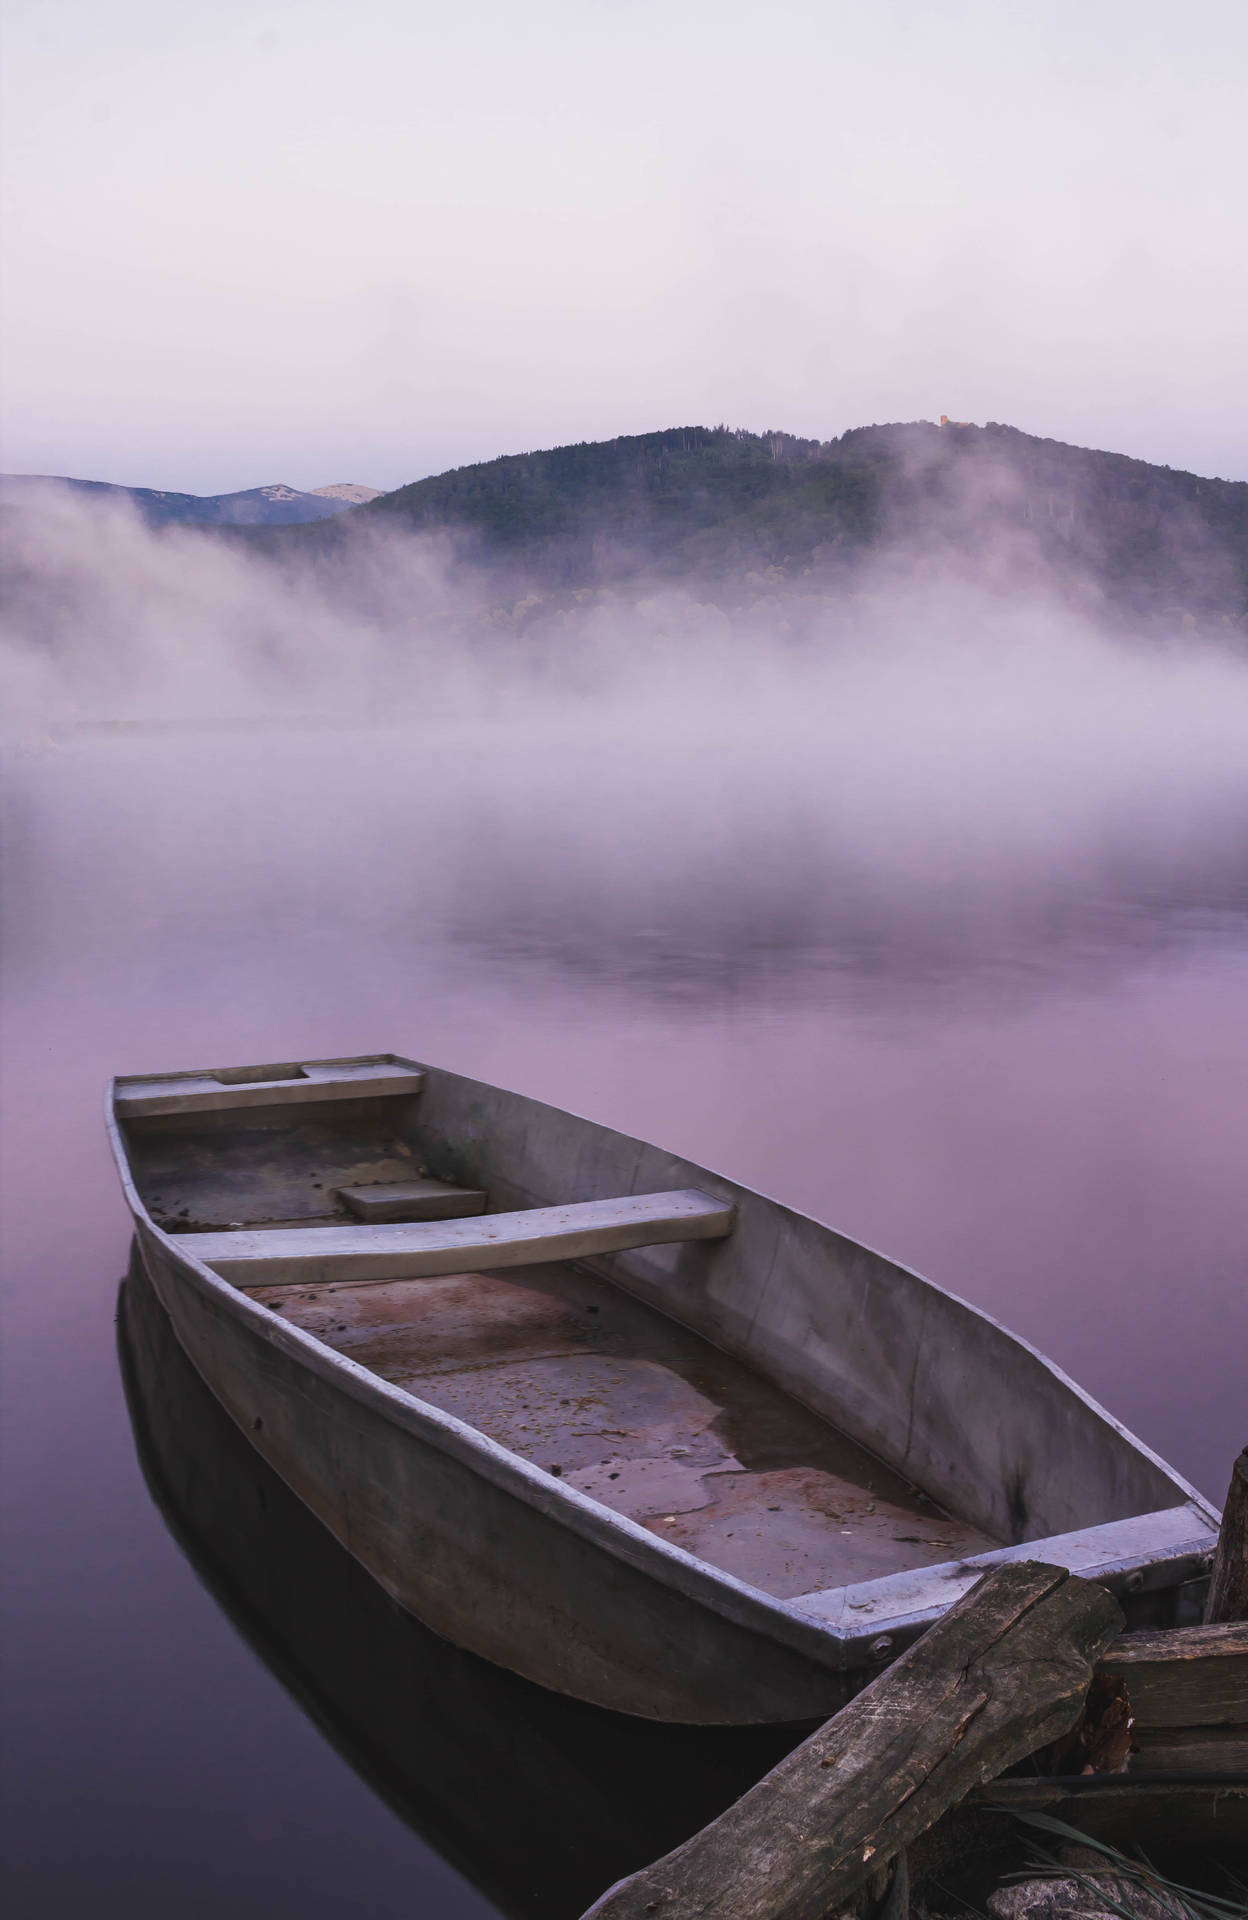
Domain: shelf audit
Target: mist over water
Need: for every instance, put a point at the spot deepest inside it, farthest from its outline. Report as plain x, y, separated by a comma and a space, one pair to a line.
925, 910
930, 786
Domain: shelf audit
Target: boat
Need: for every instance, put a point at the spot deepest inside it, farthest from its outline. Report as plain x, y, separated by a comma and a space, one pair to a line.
536, 1799
607, 1419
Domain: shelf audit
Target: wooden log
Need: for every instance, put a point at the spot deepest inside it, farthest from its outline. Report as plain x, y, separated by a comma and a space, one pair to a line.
1228, 1585
1005, 1670
1186, 1677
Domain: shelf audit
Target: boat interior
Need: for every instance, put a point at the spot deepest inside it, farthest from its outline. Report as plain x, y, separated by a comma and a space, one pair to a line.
315, 1189
540, 1799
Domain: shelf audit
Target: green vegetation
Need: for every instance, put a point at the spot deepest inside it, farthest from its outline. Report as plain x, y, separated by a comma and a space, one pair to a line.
714, 502
687, 500
725, 510
1111, 1882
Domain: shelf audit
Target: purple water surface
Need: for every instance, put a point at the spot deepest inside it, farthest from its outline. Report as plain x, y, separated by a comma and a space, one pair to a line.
1026, 1079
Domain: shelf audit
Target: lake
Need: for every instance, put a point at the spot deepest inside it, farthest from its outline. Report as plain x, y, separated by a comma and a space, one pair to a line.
989, 1017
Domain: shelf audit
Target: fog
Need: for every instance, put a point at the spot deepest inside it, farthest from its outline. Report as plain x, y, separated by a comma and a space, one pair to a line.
926, 774
917, 902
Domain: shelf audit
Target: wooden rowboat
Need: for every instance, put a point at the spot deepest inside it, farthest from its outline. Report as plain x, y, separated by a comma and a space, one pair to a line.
610, 1420
538, 1800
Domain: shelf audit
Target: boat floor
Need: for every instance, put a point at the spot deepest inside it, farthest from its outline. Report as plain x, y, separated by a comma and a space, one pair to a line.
642, 1414
203, 1180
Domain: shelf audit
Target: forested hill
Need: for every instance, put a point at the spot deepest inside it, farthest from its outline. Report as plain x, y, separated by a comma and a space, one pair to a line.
721, 505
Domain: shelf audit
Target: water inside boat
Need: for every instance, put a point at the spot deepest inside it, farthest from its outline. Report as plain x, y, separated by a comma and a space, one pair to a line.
554, 1362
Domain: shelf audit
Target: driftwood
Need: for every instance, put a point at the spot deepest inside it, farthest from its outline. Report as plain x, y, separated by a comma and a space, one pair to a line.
1006, 1670
1228, 1585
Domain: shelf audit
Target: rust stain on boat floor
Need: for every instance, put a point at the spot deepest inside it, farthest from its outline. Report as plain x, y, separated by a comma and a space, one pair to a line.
641, 1414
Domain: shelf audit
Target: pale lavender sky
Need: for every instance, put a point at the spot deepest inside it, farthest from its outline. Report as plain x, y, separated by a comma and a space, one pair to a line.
309, 242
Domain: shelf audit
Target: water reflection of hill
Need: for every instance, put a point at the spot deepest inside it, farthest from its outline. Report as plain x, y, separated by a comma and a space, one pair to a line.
539, 1800
862, 939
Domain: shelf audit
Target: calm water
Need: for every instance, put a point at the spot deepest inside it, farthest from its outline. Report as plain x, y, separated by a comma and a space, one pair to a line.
1015, 1059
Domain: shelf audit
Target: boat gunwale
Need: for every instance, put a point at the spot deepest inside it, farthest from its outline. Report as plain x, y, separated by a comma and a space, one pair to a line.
828, 1642
121, 1080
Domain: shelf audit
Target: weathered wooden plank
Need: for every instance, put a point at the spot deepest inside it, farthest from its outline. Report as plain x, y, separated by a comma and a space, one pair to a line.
1005, 1671
291, 1085
1127, 1811
1228, 1584
1214, 1749
413, 1200
1107, 1789
1187, 1677
306, 1256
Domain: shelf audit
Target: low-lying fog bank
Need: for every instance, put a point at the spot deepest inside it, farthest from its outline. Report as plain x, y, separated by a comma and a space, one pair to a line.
927, 777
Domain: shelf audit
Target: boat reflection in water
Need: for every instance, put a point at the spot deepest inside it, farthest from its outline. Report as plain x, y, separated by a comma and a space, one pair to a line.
540, 1800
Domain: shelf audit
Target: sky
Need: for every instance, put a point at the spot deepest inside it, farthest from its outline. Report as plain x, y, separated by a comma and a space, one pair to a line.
312, 242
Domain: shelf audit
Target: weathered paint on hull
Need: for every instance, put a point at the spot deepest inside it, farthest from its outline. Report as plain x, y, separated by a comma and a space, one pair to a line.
520, 1567
486, 1564
537, 1800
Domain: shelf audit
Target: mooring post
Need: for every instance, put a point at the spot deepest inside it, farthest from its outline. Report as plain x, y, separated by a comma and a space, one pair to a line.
1228, 1585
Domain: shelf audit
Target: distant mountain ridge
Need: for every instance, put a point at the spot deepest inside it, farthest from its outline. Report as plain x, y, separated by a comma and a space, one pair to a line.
272, 506
740, 517
717, 504
350, 491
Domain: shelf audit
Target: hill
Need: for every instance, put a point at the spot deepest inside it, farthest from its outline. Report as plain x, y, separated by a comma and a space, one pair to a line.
724, 505
275, 506
736, 517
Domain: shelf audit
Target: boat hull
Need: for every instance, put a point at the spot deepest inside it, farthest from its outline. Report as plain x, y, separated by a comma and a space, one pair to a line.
537, 1799
492, 1567
521, 1567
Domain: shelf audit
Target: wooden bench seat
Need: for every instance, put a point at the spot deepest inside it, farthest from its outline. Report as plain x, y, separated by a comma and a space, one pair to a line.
312, 1255
284, 1084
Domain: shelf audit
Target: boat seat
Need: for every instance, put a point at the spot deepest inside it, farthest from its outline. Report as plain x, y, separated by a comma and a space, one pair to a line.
308, 1256
412, 1200
285, 1084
